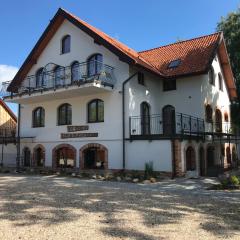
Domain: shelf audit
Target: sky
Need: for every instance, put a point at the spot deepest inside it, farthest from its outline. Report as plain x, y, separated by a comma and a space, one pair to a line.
140, 24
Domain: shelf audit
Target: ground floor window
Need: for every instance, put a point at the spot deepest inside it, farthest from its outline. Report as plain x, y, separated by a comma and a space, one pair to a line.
93, 156
64, 156
26, 157
39, 156
190, 159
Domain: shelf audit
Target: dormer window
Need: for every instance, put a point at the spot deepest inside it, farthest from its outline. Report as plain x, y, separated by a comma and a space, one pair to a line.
141, 78
174, 63
66, 42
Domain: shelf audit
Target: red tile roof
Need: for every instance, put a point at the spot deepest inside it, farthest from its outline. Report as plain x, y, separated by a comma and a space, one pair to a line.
195, 55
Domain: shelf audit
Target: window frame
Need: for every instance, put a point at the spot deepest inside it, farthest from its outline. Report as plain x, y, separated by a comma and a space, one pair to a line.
65, 121
41, 122
97, 119
211, 76
64, 40
169, 87
220, 81
208, 119
141, 78
74, 65
94, 65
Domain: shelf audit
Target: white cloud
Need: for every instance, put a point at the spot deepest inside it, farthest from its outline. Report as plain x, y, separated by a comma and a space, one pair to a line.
7, 72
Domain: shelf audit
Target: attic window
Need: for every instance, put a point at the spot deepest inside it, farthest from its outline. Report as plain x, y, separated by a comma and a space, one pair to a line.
174, 63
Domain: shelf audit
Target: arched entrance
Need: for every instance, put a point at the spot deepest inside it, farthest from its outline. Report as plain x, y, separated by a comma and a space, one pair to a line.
212, 169
145, 118
39, 156
168, 118
26, 157
64, 156
218, 120
93, 156
190, 159
201, 161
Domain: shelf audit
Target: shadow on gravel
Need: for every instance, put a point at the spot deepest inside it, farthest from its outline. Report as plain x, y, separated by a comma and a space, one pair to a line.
23, 200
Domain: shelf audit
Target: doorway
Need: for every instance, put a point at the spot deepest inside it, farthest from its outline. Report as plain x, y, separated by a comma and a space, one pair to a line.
26, 157
145, 118
202, 161
168, 114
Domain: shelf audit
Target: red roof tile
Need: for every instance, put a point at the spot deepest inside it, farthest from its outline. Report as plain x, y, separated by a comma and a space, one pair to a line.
195, 55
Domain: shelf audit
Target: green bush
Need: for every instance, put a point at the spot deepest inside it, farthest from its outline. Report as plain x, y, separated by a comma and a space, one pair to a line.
148, 170
234, 180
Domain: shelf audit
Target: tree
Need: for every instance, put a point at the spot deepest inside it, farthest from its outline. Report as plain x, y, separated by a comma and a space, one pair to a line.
230, 26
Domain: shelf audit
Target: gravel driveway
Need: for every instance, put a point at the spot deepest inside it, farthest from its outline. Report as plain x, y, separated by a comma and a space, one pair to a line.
47, 207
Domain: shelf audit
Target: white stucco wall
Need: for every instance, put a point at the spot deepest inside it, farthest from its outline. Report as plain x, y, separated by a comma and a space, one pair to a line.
158, 152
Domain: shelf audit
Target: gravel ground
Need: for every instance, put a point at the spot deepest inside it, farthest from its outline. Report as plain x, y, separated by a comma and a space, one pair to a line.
47, 207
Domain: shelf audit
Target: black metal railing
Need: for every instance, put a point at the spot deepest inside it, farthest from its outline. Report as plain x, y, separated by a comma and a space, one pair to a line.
179, 124
157, 125
81, 73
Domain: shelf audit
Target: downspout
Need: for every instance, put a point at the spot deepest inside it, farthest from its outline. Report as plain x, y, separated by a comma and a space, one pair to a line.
123, 117
18, 138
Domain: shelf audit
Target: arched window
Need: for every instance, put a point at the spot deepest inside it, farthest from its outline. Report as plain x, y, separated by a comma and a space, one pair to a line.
96, 111
75, 71
65, 114
190, 159
208, 113
220, 81
218, 120
94, 64
65, 157
66, 44
38, 119
39, 156
211, 76
59, 76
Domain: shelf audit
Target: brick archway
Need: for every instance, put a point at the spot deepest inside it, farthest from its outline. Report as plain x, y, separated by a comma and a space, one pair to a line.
54, 153
35, 154
93, 145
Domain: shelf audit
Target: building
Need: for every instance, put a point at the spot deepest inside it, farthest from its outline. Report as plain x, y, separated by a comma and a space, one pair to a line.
88, 101
8, 122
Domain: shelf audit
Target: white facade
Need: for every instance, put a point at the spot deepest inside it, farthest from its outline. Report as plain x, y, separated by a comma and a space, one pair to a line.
190, 97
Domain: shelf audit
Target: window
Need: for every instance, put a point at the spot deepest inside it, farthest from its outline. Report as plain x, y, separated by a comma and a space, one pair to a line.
96, 111
211, 76
94, 64
65, 157
174, 63
38, 117
218, 120
169, 84
75, 71
226, 117
220, 81
59, 76
65, 114
190, 159
40, 78
208, 113
66, 42
141, 78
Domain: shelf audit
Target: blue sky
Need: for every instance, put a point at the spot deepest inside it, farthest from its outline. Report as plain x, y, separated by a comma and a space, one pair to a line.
141, 24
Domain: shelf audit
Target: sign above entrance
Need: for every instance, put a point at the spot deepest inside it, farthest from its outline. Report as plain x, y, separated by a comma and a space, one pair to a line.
78, 135
77, 128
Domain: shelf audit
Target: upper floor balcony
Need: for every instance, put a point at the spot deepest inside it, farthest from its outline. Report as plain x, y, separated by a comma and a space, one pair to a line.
179, 125
79, 79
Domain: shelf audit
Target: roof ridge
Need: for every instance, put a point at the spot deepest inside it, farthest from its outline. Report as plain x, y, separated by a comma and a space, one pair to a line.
179, 42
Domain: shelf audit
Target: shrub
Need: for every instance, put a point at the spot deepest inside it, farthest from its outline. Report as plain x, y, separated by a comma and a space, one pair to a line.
148, 170
234, 180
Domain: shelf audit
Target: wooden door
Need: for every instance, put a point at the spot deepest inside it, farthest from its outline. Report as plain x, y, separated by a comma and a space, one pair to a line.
168, 118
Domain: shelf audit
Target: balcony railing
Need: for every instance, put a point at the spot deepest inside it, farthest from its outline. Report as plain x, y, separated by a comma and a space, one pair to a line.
178, 124
157, 125
77, 75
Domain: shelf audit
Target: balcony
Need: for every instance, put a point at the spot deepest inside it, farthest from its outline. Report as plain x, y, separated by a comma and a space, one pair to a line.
79, 79
156, 126
179, 126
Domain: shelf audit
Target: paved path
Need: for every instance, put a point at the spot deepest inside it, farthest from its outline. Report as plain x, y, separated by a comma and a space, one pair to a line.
47, 207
